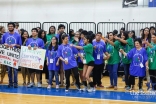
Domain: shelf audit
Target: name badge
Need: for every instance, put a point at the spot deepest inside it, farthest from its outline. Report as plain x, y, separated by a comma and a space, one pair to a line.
81, 54
84, 61
51, 60
66, 59
151, 59
98, 56
141, 65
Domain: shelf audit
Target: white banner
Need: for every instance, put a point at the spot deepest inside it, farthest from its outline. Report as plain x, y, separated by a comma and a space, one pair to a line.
33, 59
9, 56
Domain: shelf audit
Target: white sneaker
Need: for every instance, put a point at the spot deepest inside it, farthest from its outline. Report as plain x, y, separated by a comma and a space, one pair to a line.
94, 89
66, 90
31, 84
57, 86
39, 84
49, 87
91, 89
84, 89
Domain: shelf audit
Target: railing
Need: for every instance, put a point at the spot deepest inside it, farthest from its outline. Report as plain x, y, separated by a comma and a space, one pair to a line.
89, 26
105, 27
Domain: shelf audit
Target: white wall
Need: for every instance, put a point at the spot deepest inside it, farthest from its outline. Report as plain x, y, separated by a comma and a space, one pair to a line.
72, 11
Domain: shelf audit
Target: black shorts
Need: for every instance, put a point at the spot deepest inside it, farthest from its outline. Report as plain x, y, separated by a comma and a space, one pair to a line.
91, 63
80, 66
35, 71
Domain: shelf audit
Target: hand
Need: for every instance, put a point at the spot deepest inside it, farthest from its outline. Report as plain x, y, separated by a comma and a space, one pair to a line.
35, 48
66, 62
57, 64
71, 45
106, 39
13, 45
47, 63
6, 45
47, 42
121, 50
29, 47
117, 38
94, 47
82, 59
147, 68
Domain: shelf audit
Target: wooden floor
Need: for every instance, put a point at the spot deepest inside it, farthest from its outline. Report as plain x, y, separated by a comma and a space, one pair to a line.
7, 98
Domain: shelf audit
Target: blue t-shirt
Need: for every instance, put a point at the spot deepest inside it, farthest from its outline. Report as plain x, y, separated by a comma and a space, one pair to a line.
52, 59
98, 52
35, 42
11, 39
139, 58
68, 52
81, 51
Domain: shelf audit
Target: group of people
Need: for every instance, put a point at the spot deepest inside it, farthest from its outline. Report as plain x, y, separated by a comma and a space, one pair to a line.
78, 54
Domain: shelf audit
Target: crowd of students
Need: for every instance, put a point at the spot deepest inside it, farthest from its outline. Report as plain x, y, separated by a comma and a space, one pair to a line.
78, 54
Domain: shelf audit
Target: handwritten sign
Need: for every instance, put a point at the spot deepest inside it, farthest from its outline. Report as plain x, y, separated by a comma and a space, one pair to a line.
9, 56
33, 59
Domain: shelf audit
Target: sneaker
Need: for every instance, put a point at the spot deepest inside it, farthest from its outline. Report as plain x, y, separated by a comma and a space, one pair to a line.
39, 85
101, 86
91, 89
78, 87
49, 87
15, 86
31, 85
128, 88
84, 89
94, 89
141, 90
57, 86
66, 90
10, 85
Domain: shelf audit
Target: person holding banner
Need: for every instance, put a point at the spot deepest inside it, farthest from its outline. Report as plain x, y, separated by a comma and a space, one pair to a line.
12, 39
67, 54
53, 62
35, 43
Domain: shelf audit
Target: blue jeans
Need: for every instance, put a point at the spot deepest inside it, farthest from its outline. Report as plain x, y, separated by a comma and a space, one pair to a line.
113, 73
51, 76
126, 71
10, 75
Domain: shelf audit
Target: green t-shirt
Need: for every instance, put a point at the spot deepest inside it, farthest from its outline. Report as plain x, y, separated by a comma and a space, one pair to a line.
152, 56
88, 49
127, 48
49, 37
114, 52
130, 42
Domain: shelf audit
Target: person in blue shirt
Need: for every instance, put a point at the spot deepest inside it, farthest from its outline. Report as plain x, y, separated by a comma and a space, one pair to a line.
139, 63
98, 54
12, 39
67, 53
35, 43
53, 62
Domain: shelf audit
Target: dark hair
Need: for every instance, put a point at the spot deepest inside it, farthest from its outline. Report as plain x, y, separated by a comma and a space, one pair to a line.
84, 32
62, 36
56, 47
80, 30
99, 33
154, 34
125, 33
23, 39
61, 25
90, 32
115, 31
138, 40
22, 30
122, 29
88, 37
40, 35
133, 34
51, 27
11, 23
34, 29
38, 27
149, 35
16, 24
141, 29
70, 33
152, 27
92, 36
113, 35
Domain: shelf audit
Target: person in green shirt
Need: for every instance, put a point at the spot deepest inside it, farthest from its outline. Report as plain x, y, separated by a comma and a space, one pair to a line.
50, 35
151, 50
113, 62
88, 61
126, 44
